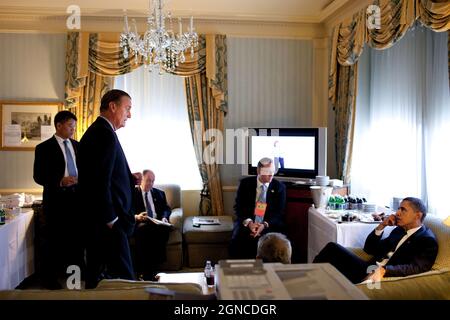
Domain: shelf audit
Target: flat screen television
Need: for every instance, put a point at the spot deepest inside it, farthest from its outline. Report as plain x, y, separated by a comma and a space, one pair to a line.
297, 152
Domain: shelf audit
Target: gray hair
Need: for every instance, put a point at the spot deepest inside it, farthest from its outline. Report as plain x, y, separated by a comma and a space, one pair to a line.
264, 162
274, 247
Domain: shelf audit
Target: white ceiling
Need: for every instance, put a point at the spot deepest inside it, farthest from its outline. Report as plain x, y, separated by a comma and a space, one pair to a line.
264, 10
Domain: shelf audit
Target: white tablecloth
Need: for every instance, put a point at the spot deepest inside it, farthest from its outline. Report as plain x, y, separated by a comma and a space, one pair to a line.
16, 250
322, 230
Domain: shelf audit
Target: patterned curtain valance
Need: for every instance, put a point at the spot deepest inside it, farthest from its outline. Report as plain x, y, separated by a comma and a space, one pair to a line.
348, 40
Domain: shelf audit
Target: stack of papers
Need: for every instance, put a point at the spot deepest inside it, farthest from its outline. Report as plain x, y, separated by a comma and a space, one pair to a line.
205, 221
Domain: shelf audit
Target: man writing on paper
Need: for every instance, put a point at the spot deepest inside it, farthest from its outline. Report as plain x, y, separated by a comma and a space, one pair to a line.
150, 236
259, 208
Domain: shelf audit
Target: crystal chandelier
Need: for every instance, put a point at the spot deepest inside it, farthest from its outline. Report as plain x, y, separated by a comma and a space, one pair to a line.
158, 46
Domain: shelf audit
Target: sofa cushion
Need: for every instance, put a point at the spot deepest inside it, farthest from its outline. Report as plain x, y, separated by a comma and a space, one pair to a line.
431, 285
173, 194
442, 233
208, 233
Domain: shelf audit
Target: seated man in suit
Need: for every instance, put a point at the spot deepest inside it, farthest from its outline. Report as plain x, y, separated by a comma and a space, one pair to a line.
274, 247
259, 209
411, 247
150, 238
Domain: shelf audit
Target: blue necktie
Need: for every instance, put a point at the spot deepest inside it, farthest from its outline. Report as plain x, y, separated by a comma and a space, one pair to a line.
149, 208
71, 169
262, 194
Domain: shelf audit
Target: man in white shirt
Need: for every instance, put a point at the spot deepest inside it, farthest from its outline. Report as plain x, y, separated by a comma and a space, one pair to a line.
55, 168
150, 238
411, 247
106, 187
259, 208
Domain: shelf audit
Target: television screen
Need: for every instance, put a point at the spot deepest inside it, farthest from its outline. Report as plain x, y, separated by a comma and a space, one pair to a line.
296, 152
288, 152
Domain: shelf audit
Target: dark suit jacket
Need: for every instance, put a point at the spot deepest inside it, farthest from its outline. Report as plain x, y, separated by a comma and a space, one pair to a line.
417, 254
49, 168
159, 200
105, 180
245, 204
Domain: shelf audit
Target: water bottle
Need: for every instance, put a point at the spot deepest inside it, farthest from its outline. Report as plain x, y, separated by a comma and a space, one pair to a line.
2, 214
209, 274
332, 203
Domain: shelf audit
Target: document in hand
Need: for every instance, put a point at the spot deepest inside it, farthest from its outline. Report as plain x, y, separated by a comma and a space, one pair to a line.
160, 222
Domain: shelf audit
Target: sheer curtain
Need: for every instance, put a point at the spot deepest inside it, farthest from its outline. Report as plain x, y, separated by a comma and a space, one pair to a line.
158, 135
402, 129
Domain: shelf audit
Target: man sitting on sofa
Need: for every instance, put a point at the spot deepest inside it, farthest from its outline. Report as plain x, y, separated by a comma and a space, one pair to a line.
411, 247
150, 238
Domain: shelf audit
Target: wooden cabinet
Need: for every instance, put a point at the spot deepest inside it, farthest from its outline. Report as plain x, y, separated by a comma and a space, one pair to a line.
298, 201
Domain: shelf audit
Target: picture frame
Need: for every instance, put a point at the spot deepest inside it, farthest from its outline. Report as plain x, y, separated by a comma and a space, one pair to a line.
26, 124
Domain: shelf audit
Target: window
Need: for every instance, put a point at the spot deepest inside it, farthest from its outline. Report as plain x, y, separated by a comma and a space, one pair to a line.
402, 129
158, 136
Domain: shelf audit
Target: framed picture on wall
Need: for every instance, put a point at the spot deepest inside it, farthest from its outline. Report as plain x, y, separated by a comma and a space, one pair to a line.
26, 124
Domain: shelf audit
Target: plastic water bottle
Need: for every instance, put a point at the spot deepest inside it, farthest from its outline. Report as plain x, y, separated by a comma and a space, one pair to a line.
2, 214
209, 274
332, 203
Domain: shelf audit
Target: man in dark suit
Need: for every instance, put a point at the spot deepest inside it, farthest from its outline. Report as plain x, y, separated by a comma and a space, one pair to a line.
150, 238
259, 208
411, 247
107, 190
56, 170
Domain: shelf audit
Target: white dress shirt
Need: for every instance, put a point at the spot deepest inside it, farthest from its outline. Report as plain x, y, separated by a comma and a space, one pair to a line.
63, 149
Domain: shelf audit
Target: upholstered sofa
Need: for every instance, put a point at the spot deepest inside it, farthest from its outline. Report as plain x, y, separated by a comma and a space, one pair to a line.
174, 250
112, 290
434, 284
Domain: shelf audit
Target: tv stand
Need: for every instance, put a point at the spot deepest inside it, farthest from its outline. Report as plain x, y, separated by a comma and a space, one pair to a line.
298, 202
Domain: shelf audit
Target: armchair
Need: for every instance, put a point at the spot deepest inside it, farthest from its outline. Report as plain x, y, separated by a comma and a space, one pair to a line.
174, 248
433, 284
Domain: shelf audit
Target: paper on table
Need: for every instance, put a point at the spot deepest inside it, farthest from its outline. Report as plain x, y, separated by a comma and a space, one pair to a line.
205, 221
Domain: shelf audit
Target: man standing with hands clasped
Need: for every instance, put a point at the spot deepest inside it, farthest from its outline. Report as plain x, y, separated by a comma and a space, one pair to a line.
55, 168
107, 189
259, 208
